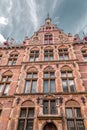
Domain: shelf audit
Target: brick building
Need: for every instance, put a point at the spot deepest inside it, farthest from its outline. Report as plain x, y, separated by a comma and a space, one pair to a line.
43, 83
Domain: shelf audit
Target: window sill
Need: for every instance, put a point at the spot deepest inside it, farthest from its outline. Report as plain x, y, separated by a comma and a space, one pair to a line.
49, 116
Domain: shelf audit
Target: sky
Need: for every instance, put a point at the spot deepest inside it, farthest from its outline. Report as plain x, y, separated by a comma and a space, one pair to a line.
20, 18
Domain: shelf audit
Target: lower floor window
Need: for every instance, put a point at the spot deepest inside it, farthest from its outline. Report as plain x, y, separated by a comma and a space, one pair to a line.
26, 119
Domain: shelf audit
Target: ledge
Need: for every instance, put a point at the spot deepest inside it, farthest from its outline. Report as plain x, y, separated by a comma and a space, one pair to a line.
52, 117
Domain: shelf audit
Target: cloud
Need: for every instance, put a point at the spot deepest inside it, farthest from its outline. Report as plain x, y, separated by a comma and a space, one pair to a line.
2, 39
33, 13
3, 20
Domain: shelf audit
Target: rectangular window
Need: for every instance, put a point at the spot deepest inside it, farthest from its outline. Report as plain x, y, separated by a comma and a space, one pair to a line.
48, 55
31, 82
34, 55
74, 119
63, 54
67, 81
49, 82
5, 84
49, 107
26, 119
13, 59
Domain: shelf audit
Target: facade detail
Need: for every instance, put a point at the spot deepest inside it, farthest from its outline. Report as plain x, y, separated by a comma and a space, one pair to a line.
43, 83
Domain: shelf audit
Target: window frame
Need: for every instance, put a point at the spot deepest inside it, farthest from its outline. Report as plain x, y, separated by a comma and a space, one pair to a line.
13, 59
63, 53
68, 79
49, 79
48, 38
4, 83
48, 55
49, 107
31, 79
34, 55
26, 118
74, 118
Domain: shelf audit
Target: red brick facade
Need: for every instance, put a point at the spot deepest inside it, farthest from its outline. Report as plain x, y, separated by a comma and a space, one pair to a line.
58, 55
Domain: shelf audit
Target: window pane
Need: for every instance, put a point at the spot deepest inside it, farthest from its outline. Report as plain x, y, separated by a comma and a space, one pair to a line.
31, 112
53, 107
23, 112
21, 125
69, 74
85, 58
46, 86
29, 75
9, 78
60, 57
63, 74
71, 83
1, 85
34, 84
10, 62
80, 125
52, 86
14, 62
52, 74
4, 79
71, 125
66, 56
69, 113
51, 57
6, 89
46, 75
34, 75
36, 58
29, 125
77, 112
31, 58
27, 88
65, 86
46, 58
45, 107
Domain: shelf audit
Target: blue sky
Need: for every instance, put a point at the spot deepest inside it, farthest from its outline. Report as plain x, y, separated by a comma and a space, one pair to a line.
19, 18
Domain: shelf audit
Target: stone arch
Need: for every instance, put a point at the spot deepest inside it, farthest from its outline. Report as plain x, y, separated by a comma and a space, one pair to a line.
50, 126
48, 68
28, 103
8, 72
72, 103
32, 69
83, 48
14, 52
65, 68
34, 49
48, 48
62, 47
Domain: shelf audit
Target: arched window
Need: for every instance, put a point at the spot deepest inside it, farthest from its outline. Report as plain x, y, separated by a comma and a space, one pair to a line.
13, 58
5, 82
84, 53
67, 79
26, 118
48, 39
48, 54
49, 80
31, 81
74, 116
34, 55
49, 126
63, 53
